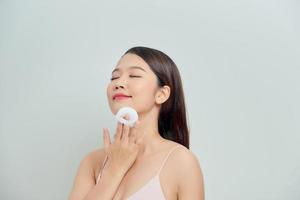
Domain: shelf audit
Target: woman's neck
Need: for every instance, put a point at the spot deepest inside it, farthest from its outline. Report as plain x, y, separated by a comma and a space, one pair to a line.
148, 131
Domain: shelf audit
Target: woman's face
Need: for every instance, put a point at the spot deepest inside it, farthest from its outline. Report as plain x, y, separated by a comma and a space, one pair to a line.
134, 78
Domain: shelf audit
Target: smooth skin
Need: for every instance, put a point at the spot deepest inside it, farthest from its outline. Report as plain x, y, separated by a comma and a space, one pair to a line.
136, 153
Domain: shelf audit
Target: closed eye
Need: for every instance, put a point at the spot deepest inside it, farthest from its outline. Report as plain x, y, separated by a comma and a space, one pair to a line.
113, 78
132, 76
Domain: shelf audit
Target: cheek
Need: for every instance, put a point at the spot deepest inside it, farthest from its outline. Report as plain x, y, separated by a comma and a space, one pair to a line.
144, 93
114, 108
108, 90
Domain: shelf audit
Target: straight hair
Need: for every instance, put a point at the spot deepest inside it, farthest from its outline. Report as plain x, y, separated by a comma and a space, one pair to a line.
172, 121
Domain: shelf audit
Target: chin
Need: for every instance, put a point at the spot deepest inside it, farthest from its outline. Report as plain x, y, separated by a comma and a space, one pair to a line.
116, 108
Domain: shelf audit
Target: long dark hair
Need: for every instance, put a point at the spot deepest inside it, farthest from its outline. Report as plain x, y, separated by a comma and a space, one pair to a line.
172, 122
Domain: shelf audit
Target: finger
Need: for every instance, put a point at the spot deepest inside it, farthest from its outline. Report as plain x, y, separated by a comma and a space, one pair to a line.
125, 134
134, 132
106, 138
132, 136
118, 134
126, 117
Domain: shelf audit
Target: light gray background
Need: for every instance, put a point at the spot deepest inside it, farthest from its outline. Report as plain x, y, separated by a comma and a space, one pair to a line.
239, 62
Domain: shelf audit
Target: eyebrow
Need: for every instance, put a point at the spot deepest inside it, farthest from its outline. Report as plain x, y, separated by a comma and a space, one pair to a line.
131, 67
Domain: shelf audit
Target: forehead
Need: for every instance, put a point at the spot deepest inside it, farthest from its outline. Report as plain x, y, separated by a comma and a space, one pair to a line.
132, 62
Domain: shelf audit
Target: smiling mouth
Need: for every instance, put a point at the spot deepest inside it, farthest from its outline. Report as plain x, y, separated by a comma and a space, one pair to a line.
121, 97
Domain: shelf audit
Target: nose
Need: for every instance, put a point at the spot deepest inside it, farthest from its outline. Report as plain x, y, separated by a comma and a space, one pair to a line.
119, 83
118, 86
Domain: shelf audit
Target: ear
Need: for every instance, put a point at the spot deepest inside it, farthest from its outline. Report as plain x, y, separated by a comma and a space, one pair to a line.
162, 94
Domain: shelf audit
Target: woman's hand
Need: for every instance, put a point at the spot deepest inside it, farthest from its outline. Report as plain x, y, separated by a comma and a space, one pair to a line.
123, 151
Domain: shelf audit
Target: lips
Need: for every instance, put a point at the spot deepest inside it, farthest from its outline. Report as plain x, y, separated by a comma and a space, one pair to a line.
120, 96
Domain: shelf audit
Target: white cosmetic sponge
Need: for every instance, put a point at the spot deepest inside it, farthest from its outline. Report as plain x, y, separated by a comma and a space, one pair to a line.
133, 116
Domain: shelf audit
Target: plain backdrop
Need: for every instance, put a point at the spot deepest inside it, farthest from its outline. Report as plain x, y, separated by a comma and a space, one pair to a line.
240, 67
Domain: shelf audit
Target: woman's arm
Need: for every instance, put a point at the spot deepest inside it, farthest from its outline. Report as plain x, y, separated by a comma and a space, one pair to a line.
190, 178
107, 186
121, 155
84, 187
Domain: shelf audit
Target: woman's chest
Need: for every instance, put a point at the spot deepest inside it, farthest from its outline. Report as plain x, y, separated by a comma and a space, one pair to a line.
146, 184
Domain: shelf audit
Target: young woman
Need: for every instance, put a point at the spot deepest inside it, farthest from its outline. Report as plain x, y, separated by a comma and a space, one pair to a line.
151, 160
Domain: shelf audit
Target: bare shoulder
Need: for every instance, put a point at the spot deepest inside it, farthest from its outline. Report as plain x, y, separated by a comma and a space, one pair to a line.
185, 157
95, 158
96, 154
187, 174
184, 160
85, 177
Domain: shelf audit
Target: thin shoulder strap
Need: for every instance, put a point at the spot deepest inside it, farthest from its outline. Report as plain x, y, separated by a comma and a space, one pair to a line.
166, 158
103, 165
